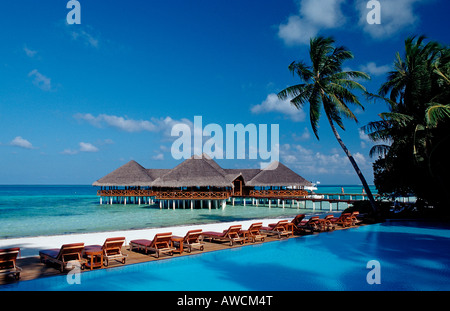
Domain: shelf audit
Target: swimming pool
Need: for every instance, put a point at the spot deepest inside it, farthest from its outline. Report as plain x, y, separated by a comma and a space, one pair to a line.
411, 256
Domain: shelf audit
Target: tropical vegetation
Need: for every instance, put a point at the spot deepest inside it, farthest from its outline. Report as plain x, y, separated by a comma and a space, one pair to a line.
413, 137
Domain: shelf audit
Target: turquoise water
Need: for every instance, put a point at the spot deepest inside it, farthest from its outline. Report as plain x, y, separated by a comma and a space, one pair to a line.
48, 210
411, 256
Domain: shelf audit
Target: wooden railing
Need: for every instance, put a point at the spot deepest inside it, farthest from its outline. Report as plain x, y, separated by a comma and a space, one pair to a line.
201, 195
192, 195
126, 193
288, 193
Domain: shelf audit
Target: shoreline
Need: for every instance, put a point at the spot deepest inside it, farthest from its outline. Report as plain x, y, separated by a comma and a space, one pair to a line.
30, 246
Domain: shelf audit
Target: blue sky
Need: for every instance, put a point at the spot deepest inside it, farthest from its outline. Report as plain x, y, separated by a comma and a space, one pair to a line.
77, 101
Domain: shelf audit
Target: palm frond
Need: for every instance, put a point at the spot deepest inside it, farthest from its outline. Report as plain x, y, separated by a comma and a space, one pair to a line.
380, 150
436, 113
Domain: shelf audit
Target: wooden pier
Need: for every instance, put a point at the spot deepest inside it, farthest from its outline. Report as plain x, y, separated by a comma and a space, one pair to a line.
290, 198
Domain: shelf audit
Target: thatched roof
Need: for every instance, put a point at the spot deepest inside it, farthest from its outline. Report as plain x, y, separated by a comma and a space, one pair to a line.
129, 174
247, 173
201, 171
197, 171
277, 174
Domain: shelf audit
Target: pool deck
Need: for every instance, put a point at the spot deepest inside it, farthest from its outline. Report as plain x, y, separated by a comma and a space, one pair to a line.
32, 268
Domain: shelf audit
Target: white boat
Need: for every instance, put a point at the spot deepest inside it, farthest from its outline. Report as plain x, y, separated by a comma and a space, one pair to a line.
313, 187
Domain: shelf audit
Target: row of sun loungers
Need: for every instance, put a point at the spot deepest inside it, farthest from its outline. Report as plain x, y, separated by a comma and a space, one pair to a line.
73, 253
70, 255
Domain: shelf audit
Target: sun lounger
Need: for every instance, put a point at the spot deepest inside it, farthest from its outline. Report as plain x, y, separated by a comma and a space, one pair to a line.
161, 243
312, 224
8, 257
295, 224
253, 232
344, 220
354, 218
280, 229
327, 224
112, 249
67, 253
192, 239
231, 234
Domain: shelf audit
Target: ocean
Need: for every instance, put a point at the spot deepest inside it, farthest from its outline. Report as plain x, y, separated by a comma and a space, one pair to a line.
39, 210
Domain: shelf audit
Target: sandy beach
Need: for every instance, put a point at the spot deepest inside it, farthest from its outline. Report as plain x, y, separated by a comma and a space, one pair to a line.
30, 246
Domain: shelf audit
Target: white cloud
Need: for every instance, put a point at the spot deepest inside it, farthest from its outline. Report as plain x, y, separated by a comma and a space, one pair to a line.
273, 104
87, 147
41, 81
372, 69
315, 164
126, 124
305, 135
159, 156
30, 53
21, 142
84, 147
86, 37
313, 16
395, 16
360, 159
69, 151
296, 31
364, 139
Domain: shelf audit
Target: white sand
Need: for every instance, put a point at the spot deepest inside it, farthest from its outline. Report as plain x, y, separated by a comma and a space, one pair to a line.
30, 246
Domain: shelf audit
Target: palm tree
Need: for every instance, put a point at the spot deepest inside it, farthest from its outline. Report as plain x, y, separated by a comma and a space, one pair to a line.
326, 86
417, 124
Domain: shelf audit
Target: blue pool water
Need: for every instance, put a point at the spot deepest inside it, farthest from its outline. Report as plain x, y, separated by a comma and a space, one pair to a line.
412, 256
49, 210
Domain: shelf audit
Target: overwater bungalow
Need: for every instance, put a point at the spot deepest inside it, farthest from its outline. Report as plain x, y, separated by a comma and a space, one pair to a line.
200, 181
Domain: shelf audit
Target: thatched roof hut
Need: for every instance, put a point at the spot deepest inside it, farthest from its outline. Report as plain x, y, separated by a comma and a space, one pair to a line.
196, 171
201, 171
277, 174
129, 174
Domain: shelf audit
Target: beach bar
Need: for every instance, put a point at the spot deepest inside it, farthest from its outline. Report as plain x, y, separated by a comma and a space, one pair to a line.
200, 182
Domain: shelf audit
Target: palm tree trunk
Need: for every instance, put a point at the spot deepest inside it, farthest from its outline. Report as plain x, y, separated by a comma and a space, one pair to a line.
355, 166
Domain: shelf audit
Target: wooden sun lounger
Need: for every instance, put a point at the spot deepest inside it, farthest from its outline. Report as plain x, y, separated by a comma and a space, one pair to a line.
344, 220
8, 257
253, 232
327, 224
295, 224
161, 243
312, 224
354, 218
280, 229
192, 239
112, 250
232, 235
62, 256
